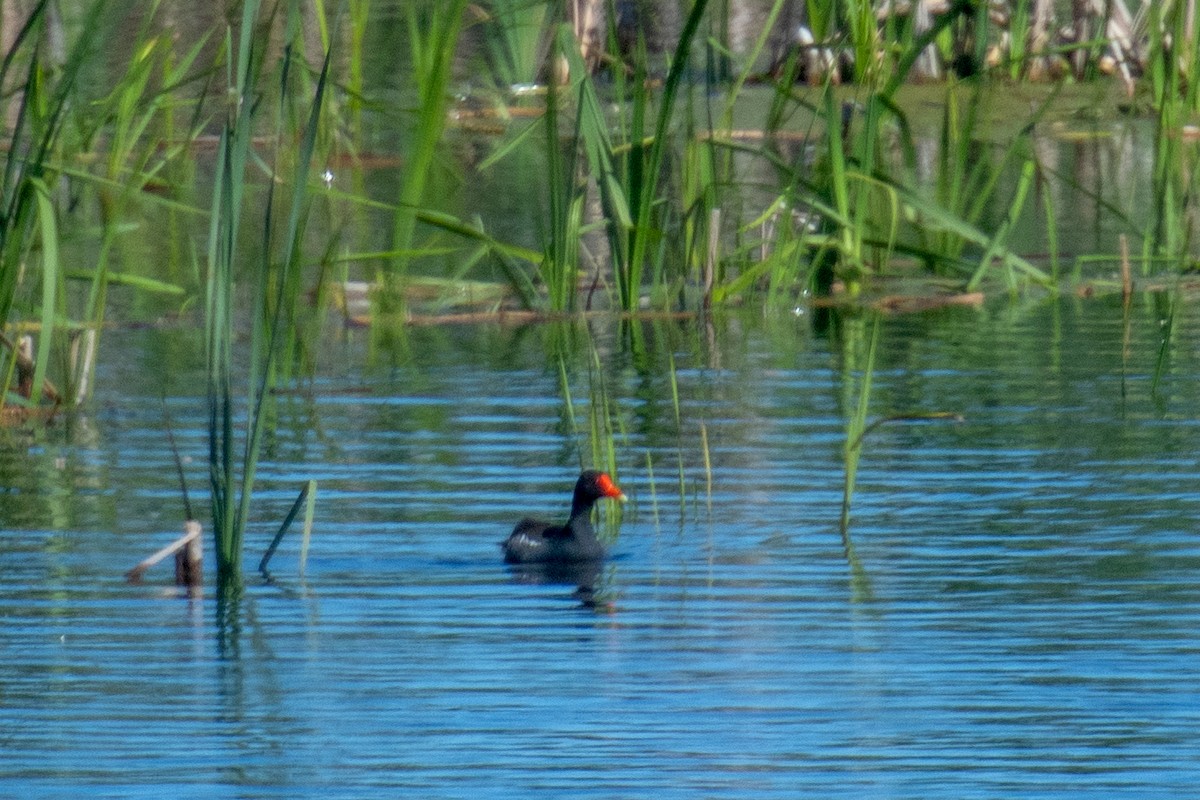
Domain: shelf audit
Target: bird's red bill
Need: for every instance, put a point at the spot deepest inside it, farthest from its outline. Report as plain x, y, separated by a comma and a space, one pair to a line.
609, 488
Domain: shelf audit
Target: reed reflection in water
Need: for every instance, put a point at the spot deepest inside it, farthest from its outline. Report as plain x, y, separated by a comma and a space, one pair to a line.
1022, 623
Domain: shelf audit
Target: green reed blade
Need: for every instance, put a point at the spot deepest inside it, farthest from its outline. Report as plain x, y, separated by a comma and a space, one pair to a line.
857, 423
51, 279
1166, 340
564, 387
306, 534
952, 223
305, 500
750, 61
1000, 238
433, 33
650, 482
672, 374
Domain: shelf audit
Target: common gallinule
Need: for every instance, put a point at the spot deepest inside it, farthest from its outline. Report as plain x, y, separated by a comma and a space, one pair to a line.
536, 542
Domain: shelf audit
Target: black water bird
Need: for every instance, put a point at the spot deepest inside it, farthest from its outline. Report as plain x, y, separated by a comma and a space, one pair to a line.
536, 542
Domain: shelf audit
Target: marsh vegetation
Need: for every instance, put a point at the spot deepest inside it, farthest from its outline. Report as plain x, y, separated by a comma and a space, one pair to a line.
276, 171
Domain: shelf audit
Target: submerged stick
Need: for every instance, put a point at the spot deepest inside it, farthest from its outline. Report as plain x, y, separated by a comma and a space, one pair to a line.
22, 351
189, 559
189, 543
83, 361
1126, 274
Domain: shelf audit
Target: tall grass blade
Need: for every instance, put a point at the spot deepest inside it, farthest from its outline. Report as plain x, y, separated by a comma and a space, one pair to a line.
310, 509
750, 60
682, 475
433, 30
999, 240
855, 428
1166, 341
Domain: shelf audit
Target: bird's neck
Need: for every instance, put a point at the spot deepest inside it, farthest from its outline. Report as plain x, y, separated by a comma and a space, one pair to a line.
580, 522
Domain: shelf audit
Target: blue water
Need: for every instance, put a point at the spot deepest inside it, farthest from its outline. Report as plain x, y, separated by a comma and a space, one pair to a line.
1018, 614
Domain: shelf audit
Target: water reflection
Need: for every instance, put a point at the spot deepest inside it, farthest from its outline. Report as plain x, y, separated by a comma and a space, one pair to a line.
581, 574
593, 586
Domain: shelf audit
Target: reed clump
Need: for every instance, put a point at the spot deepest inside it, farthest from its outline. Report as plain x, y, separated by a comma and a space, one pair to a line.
272, 273
647, 201
36, 93
674, 171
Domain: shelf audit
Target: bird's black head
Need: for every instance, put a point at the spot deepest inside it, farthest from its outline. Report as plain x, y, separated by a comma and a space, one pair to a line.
594, 484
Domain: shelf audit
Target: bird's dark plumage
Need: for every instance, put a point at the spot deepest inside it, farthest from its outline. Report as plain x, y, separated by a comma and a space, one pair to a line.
536, 542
